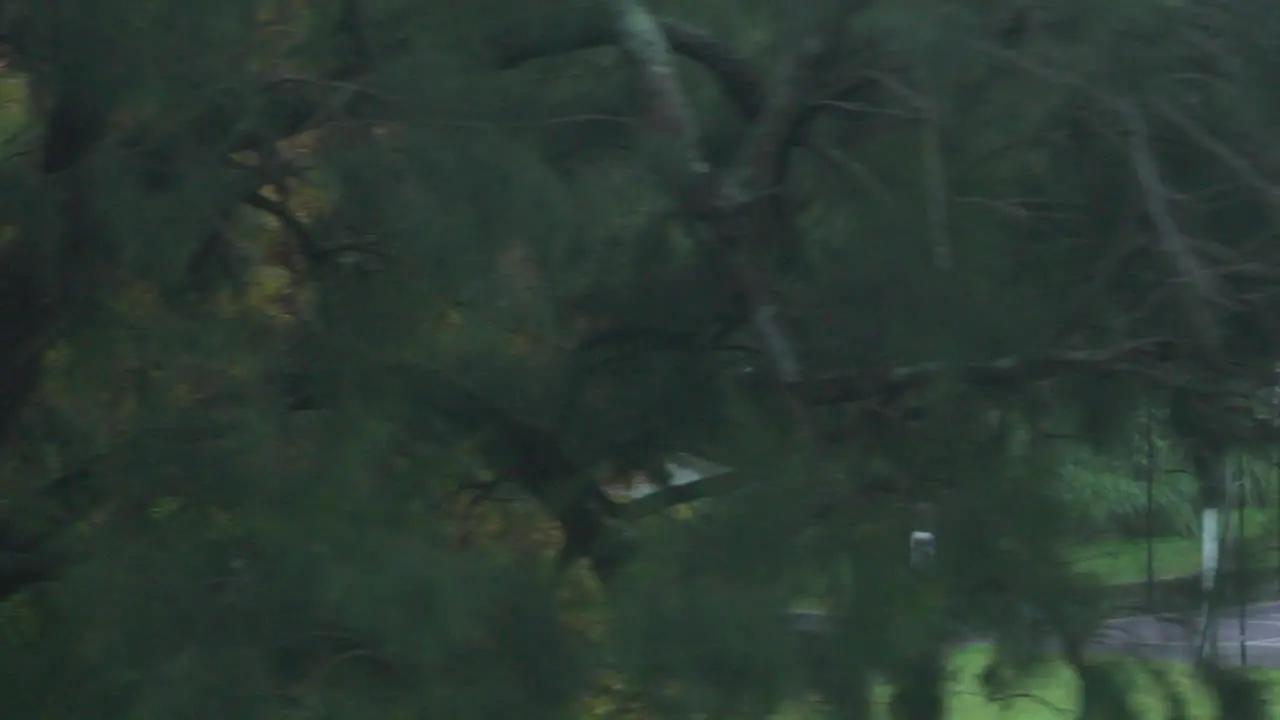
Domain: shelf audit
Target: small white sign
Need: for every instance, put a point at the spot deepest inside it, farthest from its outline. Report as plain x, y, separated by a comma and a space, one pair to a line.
924, 548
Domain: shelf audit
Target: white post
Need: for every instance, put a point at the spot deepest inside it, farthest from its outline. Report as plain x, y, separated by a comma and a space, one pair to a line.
1209, 547
1211, 551
1209, 571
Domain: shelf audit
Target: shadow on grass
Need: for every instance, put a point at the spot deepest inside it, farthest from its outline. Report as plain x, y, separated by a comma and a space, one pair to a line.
1052, 692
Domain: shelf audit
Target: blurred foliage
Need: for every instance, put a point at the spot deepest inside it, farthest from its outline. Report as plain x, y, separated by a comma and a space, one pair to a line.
231, 234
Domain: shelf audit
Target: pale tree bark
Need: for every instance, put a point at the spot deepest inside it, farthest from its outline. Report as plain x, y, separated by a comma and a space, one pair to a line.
1201, 293
726, 200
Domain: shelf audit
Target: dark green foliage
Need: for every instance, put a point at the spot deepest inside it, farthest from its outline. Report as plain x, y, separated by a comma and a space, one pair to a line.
1177, 702
1107, 496
210, 510
919, 687
288, 590
1237, 694
1104, 693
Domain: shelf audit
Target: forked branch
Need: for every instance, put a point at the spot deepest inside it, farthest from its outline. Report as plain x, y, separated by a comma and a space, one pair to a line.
671, 126
596, 26
668, 118
1202, 291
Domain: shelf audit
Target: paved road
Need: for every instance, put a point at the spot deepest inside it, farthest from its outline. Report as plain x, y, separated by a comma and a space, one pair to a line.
1177, 638
1166, 637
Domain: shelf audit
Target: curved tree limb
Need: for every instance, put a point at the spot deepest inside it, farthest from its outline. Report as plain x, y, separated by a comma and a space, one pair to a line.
754, 170
594, 26
1202, 292
669, 120
1136, 358
722, 200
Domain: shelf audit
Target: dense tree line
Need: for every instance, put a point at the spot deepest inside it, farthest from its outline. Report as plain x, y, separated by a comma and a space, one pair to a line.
291, 293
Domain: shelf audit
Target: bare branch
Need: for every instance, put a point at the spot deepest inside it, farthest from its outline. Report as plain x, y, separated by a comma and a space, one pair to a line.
596, 26
936, 177
769, 325
1240, 165
291, 222
754, 169
1138, 358
765, 317
671, 125
1203, 287
757, 167
669, 119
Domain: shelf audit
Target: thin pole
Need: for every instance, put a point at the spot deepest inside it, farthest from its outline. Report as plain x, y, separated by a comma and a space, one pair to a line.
1275, 461
1150, 519
1241, 497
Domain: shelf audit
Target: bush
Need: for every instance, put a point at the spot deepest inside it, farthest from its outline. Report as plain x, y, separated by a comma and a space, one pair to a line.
1106, 501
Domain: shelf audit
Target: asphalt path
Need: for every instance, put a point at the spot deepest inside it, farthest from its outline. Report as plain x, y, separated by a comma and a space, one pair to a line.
1164, 637
1178, 637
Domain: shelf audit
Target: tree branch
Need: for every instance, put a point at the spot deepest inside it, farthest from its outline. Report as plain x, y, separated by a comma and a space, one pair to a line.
595, 26
669, 119
520, 452
1267, 191
1202, 289
755, 168
1137, 358
706, 196
280, 211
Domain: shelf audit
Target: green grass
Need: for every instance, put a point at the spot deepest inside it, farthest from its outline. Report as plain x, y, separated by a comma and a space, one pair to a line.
14, 107
1052, 693
1125, 561
1121, 562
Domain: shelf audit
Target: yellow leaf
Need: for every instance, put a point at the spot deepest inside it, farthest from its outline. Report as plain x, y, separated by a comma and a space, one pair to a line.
8, 236
269, 288
165, 507
270, 192
522, 342
245, 157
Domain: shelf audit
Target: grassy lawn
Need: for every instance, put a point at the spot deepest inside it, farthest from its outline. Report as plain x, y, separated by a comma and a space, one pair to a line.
1120, 562
1125, 561
1053, 694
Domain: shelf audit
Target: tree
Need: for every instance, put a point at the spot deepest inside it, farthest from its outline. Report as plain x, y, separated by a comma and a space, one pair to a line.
880, 272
